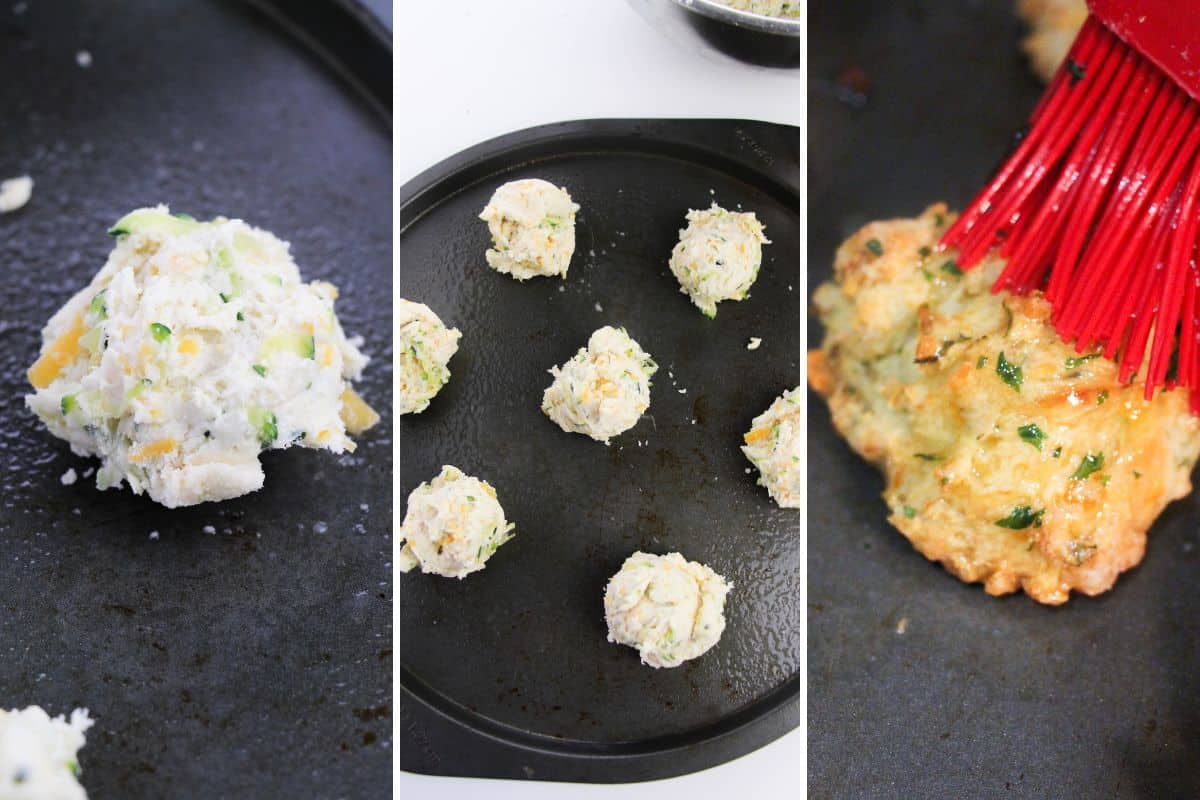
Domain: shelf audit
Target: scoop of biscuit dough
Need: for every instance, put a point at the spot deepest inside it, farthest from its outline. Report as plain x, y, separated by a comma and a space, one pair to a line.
718, 256
667, 607
39, 754
773, 445
532, 223
604, 389
425, 346
196, 347
453, 525
1008, 457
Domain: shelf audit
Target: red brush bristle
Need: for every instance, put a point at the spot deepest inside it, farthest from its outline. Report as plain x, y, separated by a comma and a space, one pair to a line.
1100, 206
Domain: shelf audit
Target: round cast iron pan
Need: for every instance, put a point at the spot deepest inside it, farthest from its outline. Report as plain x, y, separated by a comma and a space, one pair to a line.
507, 673
980, 697
254, 661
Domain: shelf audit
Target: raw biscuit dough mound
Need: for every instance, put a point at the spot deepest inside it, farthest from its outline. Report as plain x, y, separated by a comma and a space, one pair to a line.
533, 229
773, 445
667, 607
604, 389
1008, 456
718, 256
786, 9
425, 346
195, 348
39, 754
453, 525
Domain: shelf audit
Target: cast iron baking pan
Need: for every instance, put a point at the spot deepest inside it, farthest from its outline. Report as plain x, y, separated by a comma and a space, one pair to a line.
253, 661
980, 697
507, 673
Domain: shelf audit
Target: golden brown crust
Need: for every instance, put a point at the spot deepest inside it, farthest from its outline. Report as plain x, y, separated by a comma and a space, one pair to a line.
1053, 25
1009, 458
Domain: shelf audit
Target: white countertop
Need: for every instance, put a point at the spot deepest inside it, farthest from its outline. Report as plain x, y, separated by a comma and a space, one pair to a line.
467, 72
495, 67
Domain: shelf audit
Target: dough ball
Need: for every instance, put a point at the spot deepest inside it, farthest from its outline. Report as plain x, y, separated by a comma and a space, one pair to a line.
533, 229
38, 754
193, 349
425, 346
604, 389
453, 525
718, 256
773, 445
669, 608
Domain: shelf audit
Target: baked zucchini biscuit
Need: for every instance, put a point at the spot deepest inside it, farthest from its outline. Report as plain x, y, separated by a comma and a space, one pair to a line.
1008, 457
1053, 26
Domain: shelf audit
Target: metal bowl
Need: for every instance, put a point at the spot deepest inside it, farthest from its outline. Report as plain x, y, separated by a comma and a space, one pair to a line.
704, 25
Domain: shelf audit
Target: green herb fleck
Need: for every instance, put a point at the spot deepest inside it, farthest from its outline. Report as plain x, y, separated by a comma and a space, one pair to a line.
308, 347
928, 275
1009, 372
1100, 398
261, 370
159, 331
1057, 452
67, 404
939, 220
875, 246
224, 297
1136, 475
1079, 361
952, 268
1092, 462
240, 317
924, 252
981, 363
926, 456
1032, 434
910, 512
1104, 479
472, 499
1022, 517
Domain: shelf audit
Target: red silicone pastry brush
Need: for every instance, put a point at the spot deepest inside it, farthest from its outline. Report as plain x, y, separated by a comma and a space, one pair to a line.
1099, 204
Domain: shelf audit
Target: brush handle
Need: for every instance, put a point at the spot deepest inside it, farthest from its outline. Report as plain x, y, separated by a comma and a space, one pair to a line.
1165, 31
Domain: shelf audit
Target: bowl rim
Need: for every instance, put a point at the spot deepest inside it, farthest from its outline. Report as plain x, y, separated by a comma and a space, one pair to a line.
743, 19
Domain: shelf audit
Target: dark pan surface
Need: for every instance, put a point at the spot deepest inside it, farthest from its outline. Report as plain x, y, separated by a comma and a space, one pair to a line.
980, 697
516, 654
254, 662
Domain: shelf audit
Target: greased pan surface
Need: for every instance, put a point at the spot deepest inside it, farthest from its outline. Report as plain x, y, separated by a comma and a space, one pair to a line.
979, 697
507, 672
255, 661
